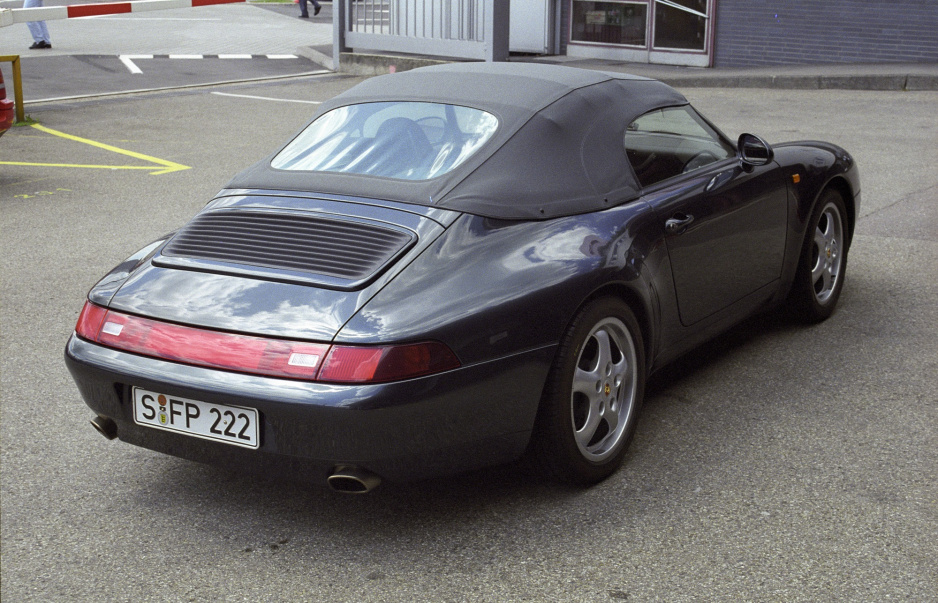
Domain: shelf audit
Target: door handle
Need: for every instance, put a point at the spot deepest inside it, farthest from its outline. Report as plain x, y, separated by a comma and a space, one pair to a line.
678, 224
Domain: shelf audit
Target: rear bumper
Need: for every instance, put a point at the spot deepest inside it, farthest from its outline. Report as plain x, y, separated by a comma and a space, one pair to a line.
464, 419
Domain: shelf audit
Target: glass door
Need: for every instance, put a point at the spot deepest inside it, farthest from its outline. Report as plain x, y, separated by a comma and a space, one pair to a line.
681, 24
682, 32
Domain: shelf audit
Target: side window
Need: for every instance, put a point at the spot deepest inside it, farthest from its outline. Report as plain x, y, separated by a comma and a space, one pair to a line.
666, 142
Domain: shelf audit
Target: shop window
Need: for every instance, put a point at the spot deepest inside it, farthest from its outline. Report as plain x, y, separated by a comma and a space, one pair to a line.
610, 22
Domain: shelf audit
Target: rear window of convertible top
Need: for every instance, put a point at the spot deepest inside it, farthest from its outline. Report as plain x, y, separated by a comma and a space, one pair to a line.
403, 140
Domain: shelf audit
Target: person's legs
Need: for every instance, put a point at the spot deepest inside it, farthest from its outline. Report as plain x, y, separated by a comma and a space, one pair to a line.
34, 31
44, 32
37, 29
303, 10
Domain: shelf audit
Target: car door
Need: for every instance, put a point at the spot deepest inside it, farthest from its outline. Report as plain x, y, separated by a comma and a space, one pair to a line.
724, 223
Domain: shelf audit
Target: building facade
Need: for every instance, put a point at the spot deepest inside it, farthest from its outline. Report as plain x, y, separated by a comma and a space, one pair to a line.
701, 33
737, 33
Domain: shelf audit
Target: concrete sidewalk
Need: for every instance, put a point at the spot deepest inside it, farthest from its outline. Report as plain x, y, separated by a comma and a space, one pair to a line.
836, 76
839, 76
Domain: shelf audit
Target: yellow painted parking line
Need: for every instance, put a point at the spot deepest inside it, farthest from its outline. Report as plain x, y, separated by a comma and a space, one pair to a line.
92, 167
167, 166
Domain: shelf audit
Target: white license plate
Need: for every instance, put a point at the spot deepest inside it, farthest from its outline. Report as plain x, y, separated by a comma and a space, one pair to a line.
219, 422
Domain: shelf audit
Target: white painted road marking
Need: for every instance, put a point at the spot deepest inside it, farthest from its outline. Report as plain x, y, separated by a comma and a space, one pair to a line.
279, 100
128, 59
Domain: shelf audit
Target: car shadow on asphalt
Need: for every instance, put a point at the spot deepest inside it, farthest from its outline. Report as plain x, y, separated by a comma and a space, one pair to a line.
709, 353
664, 467
484, 486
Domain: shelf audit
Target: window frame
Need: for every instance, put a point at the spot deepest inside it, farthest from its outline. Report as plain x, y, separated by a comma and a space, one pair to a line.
714, 139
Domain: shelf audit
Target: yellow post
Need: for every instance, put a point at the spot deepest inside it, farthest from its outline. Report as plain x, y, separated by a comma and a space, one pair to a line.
17, 85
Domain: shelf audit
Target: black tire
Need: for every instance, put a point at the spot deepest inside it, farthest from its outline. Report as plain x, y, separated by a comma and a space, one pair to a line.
823, 263
593, 394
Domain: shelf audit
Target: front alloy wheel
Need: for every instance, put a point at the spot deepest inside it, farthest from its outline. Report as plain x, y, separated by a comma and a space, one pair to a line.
823, 263
827, 256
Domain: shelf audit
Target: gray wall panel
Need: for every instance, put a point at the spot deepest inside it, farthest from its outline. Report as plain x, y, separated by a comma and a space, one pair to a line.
772, 32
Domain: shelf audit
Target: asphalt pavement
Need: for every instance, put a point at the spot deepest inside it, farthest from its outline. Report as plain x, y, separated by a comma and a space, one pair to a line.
778, 463
164, 49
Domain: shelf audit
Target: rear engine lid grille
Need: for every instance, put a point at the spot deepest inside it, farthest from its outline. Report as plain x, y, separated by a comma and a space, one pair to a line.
312, 249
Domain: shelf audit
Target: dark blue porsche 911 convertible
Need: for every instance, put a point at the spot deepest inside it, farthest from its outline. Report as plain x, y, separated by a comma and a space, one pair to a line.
454, 267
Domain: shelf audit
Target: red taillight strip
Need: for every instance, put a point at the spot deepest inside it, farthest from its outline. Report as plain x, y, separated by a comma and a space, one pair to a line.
260, 355
244, 353
90, 321
347, 364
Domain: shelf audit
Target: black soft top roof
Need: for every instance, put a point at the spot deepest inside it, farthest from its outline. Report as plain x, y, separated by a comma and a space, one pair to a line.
558, 149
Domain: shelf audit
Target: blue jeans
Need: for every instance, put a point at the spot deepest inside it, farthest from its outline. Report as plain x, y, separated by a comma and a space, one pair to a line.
303, 11
38, 29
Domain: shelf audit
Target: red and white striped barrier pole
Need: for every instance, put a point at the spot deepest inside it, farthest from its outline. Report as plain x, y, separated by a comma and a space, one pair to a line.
49, 13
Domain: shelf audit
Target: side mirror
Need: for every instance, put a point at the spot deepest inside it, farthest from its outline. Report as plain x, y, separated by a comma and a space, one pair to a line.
753, 151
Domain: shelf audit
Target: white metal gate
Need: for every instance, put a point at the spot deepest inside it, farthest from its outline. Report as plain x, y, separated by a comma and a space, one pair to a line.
470, 29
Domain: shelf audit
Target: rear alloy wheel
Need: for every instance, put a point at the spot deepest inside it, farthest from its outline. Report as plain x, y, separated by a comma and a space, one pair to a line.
823, 263
593, 395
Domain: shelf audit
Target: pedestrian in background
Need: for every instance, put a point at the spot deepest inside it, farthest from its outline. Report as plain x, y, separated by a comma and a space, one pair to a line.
38, 29
304, 13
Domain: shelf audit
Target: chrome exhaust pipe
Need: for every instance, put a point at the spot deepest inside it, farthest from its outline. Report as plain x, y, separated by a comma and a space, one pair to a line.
105, 426
353, 480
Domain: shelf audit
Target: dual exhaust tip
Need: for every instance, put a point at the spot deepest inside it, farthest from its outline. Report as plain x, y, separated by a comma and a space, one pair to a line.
345, 478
